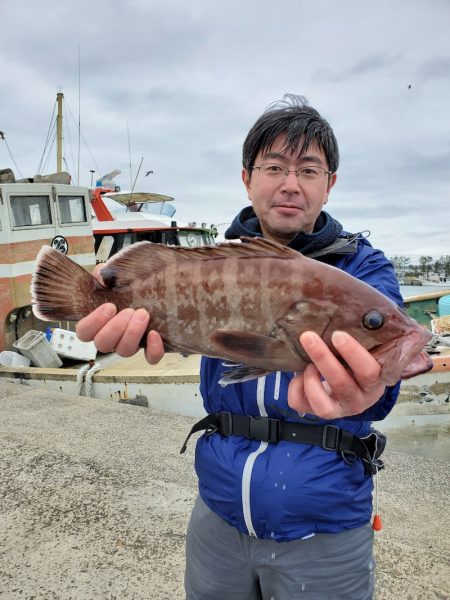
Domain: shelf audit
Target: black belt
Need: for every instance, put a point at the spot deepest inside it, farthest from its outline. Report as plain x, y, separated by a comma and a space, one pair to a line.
265, 429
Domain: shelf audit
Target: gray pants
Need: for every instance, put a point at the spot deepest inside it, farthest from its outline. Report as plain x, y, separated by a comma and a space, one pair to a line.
224, 564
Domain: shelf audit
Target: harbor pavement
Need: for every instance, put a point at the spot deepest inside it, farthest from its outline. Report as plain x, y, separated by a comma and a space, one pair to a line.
95, 500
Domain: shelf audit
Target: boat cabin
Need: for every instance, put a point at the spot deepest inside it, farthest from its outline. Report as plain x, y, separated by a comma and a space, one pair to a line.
124, 218
33, 214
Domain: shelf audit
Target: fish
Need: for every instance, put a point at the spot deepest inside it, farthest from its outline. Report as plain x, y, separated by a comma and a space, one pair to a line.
245, 303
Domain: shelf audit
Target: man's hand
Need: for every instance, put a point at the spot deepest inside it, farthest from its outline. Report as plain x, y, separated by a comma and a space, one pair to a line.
342, 391
120, 332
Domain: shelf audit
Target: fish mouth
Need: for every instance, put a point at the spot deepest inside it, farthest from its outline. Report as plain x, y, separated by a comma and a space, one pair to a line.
403, 357
422, 363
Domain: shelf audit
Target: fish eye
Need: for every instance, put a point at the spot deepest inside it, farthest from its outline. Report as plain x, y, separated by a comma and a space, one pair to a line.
373, 320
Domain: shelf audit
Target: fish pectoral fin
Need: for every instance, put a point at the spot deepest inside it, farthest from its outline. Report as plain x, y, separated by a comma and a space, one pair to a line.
245, 346
241, 373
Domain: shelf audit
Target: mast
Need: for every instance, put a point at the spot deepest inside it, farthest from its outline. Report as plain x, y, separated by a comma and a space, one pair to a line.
59, 136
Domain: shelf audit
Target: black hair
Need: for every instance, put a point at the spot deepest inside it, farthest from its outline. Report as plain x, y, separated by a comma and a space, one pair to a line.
293, 117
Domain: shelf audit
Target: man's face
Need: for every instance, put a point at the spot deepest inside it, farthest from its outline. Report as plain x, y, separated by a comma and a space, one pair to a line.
287, 205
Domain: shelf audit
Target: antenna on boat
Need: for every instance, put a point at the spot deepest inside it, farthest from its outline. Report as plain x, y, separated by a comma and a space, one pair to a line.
129, 156
59, 135
79, 111
137, 174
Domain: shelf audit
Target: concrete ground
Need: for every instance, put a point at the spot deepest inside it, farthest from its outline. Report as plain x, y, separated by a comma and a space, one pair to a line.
95, 500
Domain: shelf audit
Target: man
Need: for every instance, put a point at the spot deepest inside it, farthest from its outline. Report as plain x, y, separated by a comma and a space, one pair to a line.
276, 518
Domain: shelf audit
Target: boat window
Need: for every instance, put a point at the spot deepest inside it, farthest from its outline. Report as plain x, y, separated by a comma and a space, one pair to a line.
128, 239
30, 210
190, 238
122, 240
169, 238
208, 240
72, 209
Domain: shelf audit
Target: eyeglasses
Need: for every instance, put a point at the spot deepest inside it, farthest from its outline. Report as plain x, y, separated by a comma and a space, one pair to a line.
307, 173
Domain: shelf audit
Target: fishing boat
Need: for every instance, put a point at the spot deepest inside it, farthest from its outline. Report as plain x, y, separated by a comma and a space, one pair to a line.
432, 310
425, 307
124, 218
33, 214
87, 224
76, 221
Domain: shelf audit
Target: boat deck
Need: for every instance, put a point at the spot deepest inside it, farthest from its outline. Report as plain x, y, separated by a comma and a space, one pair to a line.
171, 366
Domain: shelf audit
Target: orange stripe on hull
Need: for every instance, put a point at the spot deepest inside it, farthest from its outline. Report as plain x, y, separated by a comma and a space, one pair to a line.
17, 252
440, 363
14, 292
6, 296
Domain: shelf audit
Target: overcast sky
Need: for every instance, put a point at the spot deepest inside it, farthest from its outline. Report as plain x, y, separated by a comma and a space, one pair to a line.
180, 84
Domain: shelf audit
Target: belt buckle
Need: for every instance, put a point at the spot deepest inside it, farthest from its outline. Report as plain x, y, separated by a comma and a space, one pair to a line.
264, 429
226, 423
326, 429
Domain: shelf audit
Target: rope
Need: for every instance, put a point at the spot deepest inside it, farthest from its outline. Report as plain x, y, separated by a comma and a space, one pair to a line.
82, 137
80, 378
2, 137
90, 374
84, 376
44, 166
70, 140
47, 139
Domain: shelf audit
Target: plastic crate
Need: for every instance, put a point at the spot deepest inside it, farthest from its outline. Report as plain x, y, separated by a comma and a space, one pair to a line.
13, 359
65, 343
35, 346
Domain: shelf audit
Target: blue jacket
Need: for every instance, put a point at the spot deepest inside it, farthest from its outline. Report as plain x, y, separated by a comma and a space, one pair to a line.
287, 490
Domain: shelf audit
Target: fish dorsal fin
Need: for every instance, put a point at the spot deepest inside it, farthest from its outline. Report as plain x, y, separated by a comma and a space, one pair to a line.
142, 259
265, 247
251, 247
137, 261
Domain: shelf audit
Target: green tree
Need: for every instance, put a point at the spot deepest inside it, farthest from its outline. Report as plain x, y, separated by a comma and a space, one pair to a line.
425, 263
401, 265
446, 265
438, 265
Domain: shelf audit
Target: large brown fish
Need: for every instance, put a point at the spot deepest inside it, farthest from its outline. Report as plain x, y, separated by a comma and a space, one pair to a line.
246, 303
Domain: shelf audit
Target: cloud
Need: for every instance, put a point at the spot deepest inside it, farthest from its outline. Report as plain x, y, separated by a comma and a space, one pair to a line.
367, 66
180, 84
434, 68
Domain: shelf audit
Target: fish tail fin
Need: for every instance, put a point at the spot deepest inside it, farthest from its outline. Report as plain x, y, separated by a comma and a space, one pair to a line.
61, 289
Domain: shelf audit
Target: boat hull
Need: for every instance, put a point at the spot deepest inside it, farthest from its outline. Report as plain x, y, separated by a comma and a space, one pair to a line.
424, 307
